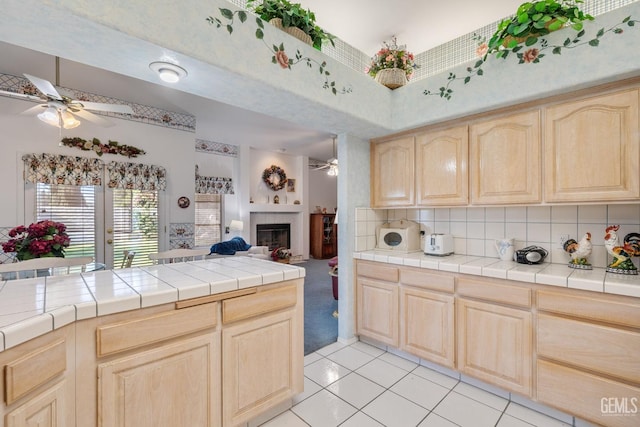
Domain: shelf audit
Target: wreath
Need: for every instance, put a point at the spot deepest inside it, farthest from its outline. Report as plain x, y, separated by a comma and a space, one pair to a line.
274, 177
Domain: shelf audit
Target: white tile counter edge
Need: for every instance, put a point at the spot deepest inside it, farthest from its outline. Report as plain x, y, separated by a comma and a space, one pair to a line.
596, 280
243, 271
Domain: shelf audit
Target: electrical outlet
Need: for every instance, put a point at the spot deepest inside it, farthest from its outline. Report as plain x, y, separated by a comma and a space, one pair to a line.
563, 238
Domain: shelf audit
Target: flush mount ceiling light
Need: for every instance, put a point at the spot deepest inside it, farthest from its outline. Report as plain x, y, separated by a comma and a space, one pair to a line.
168, 72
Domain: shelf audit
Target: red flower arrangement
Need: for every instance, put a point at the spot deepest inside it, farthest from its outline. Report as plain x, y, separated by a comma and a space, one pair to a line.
39, 240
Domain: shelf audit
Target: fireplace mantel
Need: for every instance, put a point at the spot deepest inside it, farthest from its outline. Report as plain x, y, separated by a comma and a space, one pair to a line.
272, 207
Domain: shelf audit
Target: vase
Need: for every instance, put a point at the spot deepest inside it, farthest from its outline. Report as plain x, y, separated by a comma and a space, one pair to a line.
391, 77
292, 31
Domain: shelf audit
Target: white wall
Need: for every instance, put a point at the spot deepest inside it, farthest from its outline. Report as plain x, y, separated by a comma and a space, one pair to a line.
323, 190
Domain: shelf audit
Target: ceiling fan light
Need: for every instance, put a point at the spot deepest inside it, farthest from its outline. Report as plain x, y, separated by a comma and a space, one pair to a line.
68, 121
168, 72
50, 117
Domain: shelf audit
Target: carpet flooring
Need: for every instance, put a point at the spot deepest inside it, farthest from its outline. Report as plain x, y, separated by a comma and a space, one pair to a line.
320, 326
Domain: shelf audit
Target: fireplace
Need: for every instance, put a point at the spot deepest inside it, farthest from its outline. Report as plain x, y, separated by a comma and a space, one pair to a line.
273, 235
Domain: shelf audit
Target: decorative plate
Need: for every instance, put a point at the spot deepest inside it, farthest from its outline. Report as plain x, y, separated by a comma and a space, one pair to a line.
184, 202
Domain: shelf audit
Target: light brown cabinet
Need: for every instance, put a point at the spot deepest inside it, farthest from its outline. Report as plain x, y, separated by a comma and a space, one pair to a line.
323, 236
442, 177
505, 159
393, 172
427, 327
592, 149
38, 381
590, 346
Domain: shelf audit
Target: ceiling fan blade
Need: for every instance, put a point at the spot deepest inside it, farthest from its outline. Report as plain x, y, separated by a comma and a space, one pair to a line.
98, 106
35, 109
92, 117
44, 86
20, 95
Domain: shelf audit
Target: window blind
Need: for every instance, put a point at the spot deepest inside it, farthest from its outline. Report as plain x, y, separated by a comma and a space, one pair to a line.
208, 215
74, 206
135, 225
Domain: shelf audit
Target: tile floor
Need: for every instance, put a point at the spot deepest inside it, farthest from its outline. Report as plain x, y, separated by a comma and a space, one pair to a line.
360, 385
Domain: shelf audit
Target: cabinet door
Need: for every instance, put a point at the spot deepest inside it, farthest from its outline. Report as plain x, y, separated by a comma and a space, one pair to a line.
441, 167
44, 410
495, 344
393, 173
426, 325
377, 310
591, 149
176, 384
260, 365
505, 165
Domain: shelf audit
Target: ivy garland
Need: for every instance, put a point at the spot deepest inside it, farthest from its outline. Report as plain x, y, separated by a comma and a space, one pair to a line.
274, 177
95, 145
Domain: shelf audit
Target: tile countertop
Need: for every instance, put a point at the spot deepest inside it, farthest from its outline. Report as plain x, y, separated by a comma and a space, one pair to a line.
33, 307
596, 280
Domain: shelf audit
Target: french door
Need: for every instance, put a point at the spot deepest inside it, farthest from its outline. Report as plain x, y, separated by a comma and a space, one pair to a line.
101, 222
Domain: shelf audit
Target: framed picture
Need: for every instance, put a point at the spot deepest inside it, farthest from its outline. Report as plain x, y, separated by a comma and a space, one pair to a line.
291, 185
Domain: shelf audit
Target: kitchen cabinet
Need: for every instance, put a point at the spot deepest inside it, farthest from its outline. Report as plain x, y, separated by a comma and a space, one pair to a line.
38, 384
377, 302
262, 351
589, 345
393, 172
592, 149
323, 236
494, 333
505, 159
427, 316
442, 177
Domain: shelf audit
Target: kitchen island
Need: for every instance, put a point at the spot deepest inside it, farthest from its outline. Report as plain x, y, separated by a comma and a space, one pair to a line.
204, 343
546, 333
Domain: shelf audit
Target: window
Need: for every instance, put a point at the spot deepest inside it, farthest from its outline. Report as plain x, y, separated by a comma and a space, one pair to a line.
135, 225
208, 226
74, 206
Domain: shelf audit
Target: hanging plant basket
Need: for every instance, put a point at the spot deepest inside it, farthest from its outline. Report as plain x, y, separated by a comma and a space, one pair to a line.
392, 78
292, 31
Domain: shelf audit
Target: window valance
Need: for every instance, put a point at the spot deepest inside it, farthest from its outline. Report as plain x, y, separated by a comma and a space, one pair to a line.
136, 176
63, 170
213, 184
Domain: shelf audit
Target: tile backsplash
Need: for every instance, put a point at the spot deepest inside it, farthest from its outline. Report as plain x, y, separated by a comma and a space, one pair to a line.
475, 229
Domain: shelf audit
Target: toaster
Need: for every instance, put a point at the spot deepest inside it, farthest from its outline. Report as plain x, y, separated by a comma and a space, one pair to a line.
438, 244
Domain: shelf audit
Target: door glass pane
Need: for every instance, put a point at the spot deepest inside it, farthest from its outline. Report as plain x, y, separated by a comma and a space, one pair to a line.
74, 206
208, 225
135, 225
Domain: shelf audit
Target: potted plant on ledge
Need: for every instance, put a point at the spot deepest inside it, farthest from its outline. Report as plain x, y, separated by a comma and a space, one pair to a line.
533, 20
293, 19
392, 66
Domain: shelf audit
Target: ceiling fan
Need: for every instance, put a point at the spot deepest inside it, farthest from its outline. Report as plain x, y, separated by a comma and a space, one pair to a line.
331, 165
60, 110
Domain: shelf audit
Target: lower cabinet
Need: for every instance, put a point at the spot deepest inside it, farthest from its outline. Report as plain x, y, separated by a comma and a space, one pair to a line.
378, 310
495, 344
38, 384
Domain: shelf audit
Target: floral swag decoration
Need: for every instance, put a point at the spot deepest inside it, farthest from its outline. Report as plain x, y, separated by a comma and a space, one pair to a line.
274, 177
39, 240
96, 146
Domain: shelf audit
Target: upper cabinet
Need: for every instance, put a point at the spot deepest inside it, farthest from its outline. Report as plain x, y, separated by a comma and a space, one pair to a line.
591, 149
441, 168
393, 173
504, 160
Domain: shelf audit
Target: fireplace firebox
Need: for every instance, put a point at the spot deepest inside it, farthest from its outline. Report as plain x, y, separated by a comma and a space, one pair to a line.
273, 235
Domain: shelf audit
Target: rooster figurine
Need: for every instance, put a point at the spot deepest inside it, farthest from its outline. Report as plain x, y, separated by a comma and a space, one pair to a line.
579, 251
622, 254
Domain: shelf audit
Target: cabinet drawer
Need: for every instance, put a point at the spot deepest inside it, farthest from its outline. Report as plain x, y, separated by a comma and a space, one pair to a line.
598, 348
594, 308
378, 271
588, 395
245, 307
136, 333
495, 291
423, 279
34, 369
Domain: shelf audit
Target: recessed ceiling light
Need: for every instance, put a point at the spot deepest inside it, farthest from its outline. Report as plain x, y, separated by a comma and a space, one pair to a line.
168, 72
